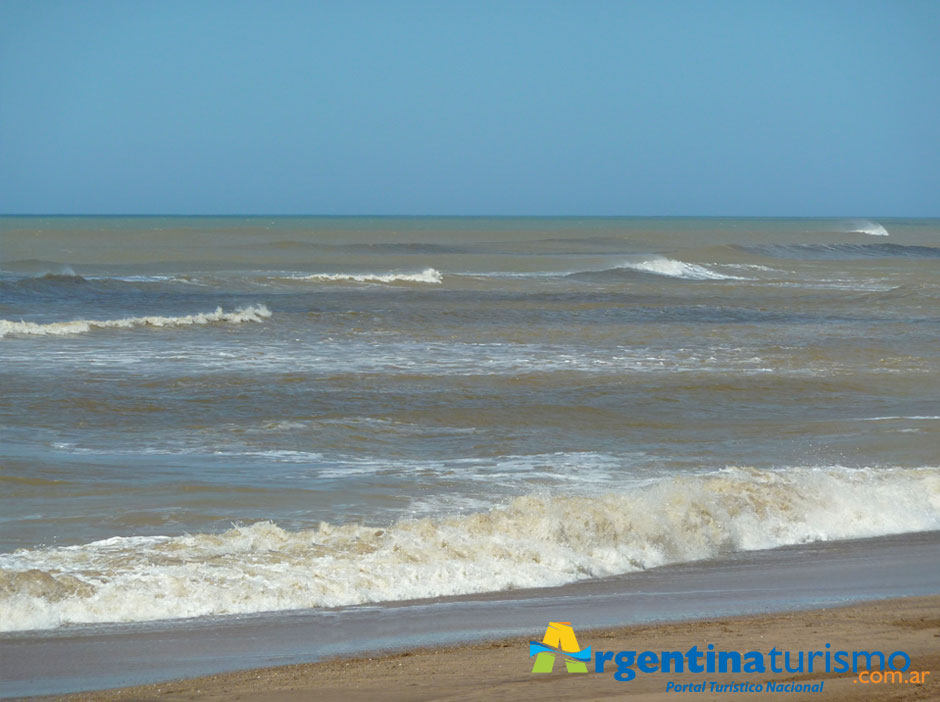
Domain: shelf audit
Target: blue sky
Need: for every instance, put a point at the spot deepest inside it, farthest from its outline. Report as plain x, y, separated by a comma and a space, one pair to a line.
470, 108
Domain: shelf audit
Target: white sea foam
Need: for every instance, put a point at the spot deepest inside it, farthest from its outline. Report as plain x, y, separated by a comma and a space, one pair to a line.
865, 226
254, 313
148, 279
534, 540
677, 269
428, 275
747, 266
884, 419
520, 274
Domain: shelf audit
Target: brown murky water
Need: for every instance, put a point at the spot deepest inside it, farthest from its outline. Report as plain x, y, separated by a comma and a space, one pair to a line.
212, 416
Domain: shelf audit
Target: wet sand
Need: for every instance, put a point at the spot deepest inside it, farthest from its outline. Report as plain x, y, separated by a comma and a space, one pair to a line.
500, 670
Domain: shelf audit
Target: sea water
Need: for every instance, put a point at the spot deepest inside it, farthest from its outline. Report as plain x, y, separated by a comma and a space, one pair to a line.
213, 416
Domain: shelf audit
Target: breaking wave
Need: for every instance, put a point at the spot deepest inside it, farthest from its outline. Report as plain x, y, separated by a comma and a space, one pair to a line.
865, 226
678, 269
428, 275
254, 313
660, 266
533, 541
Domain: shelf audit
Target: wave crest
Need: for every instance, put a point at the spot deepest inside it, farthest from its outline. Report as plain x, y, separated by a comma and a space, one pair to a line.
428, 275
533, 541
865, 226
254, 313
842, 251
675, 269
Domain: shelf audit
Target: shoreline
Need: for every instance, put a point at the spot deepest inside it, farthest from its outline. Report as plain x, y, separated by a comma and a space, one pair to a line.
501, 668
788, 581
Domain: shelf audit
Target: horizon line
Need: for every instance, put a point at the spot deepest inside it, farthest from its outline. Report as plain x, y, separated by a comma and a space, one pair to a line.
463, 216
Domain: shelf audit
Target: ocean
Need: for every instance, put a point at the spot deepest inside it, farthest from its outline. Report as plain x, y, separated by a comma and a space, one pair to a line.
208, 417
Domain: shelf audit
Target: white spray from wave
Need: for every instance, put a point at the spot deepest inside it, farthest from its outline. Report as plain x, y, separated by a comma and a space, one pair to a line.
254, 313
428, 275
533, 541
677, 269
865, 226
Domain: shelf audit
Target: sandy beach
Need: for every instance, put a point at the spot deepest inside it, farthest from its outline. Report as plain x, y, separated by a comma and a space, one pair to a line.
500, 670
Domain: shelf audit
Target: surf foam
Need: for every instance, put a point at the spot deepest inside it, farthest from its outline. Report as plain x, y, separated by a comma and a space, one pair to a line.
677, 269
535, 540
254, 313
428, 275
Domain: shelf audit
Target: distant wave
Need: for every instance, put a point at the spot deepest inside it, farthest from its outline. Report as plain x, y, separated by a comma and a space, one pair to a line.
72, 286
428, 275
678, 269
45, 282
865, 226
37, 267
843, 251
69, 276
533, 541
662, 266
254, 313
920, 417
138, 278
